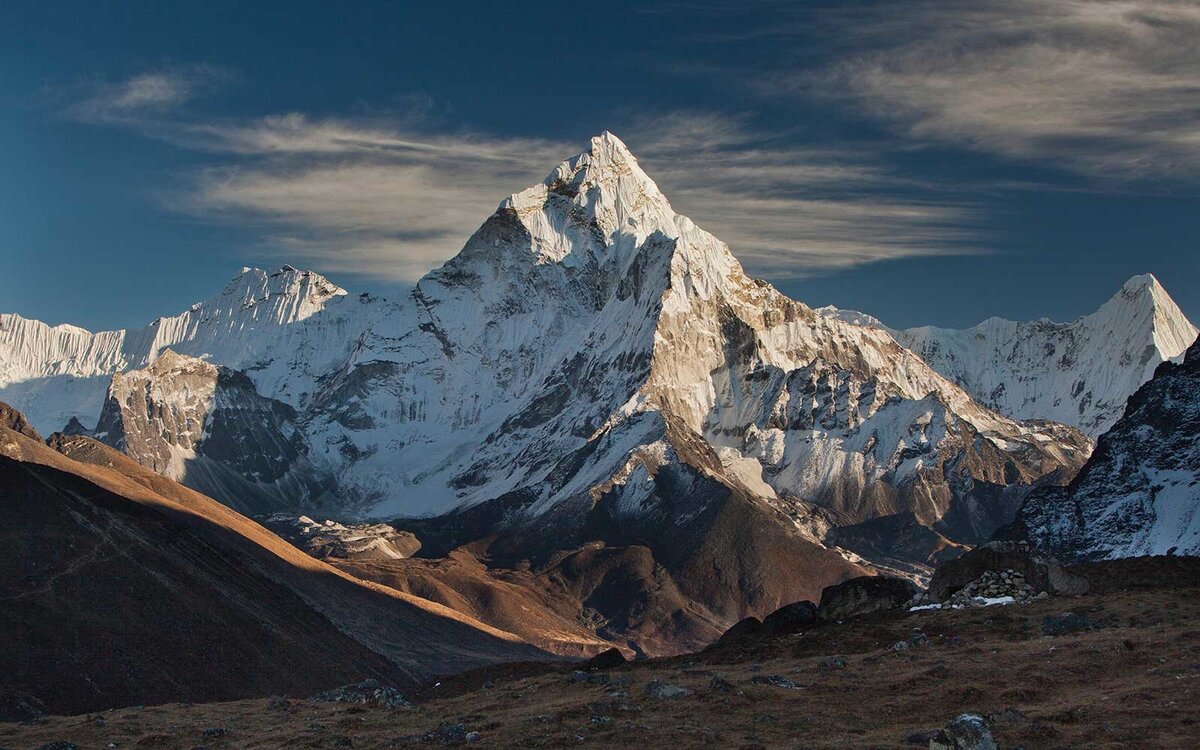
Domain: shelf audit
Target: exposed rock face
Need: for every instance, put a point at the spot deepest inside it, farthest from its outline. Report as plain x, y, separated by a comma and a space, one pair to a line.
16, 421
54, 373
1078, 373
208, 428
1037, 569
330, 539
899, 542
864, 596
1139, 493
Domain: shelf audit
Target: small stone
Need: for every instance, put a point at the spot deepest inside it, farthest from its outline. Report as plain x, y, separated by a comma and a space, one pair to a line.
833, 662
1007, 717
664, 690
278, 703
1068, 622
922, 738
472, 736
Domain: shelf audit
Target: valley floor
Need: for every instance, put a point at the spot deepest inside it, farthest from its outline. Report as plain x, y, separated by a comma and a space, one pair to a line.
1123, 673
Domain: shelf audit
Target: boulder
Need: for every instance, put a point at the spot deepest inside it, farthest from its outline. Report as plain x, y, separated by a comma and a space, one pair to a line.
745, 630
660, 690
604, 660
1039, 571
787, 619
791, 618
967, 732
864, 596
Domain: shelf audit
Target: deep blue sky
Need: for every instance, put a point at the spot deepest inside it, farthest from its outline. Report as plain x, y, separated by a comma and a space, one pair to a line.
145, 155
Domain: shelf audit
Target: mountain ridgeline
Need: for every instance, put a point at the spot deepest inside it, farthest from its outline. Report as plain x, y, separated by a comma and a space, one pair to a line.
595, 371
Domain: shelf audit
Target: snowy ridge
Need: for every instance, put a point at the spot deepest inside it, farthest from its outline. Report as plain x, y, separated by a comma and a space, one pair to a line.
1077, 373
57, 372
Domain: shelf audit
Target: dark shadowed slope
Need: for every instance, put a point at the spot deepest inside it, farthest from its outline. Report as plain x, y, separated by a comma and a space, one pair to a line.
121, 589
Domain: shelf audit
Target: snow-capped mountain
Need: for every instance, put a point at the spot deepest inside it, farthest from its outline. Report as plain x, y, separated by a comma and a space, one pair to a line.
1077, 373
1139, 493
258, 322
588, 349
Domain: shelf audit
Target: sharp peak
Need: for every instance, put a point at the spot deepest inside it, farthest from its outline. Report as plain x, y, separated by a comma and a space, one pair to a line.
606, 156
1142, 281
607, 166
1143, 288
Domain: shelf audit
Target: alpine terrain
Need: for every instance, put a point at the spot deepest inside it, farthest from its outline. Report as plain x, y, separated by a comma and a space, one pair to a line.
591, 369
1139, 493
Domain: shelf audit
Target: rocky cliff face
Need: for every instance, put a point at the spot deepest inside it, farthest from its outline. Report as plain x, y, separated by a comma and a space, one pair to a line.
1139, 493
208, 428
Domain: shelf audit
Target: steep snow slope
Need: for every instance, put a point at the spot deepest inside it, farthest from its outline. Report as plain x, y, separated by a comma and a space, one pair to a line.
1139, 493
1078, 373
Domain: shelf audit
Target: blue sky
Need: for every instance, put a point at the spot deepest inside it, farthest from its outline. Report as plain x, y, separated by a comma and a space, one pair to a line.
926, 162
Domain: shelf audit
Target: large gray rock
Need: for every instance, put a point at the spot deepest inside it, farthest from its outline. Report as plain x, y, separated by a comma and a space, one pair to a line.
1039, 570
864, 596
967, 732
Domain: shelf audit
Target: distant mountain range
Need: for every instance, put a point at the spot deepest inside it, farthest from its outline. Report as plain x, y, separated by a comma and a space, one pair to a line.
1077, 373
596, 372
1139, 493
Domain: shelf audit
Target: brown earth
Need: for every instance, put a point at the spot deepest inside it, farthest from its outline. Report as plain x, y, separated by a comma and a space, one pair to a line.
1132, 683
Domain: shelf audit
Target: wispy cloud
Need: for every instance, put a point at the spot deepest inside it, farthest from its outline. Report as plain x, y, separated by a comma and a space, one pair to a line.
385, 197
146, 95
1107, 88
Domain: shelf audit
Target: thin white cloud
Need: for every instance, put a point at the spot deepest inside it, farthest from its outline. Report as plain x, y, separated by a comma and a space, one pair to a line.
1104, 87
132, 100
380, 197
371, 200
